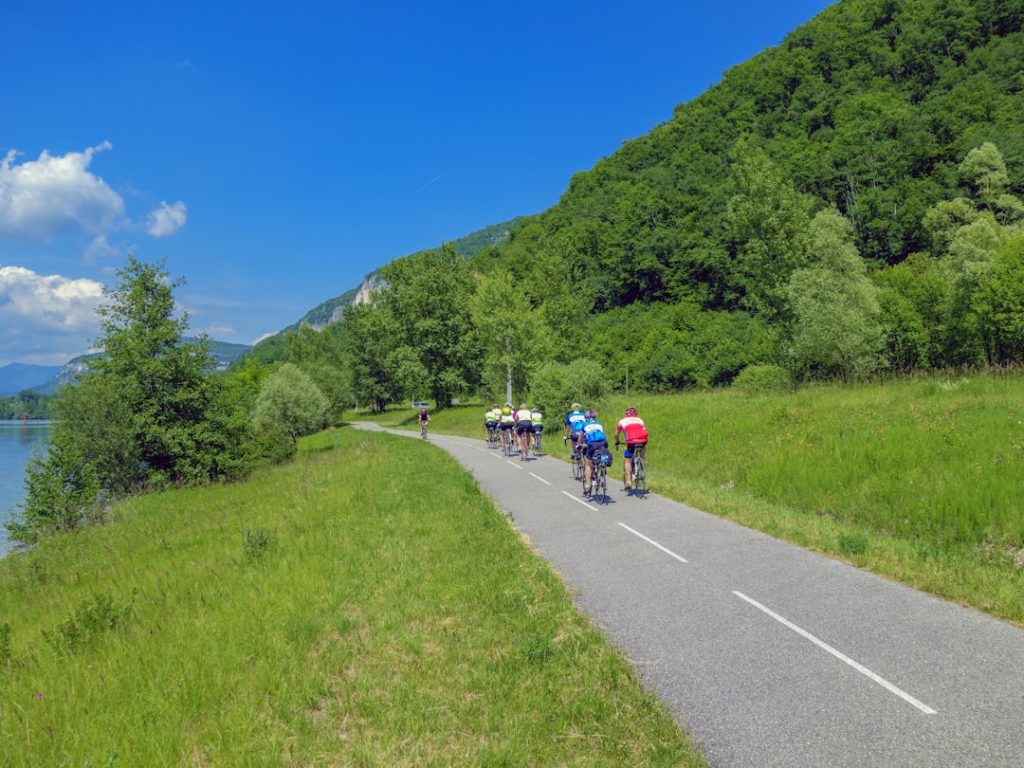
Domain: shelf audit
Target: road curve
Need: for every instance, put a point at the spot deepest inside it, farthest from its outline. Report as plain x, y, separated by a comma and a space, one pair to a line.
769, 654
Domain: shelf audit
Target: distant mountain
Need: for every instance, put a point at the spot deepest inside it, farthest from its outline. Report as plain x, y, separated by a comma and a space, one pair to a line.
15, 377
329, 311
223, 352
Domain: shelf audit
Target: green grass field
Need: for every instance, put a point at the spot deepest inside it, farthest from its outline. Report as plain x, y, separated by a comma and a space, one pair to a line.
919, 480
363, 606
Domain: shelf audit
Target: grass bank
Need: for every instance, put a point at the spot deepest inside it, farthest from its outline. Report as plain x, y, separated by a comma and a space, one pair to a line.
365, 606
919, 480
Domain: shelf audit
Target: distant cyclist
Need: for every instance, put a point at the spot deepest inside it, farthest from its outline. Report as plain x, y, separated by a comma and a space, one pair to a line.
634, 434
491, 419
424, 419
524, 429
574, 422
506, 422
596, 444
538, 426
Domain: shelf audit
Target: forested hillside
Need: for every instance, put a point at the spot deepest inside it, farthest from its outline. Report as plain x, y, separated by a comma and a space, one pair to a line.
846, 203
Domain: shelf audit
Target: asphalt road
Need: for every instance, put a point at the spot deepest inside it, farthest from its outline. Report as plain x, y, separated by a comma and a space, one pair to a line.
769, 654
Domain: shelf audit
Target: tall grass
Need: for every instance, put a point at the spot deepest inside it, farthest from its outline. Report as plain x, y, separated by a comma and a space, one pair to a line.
918, 479
359, 606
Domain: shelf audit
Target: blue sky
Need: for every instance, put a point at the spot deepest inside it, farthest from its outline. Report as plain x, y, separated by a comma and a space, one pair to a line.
274, 154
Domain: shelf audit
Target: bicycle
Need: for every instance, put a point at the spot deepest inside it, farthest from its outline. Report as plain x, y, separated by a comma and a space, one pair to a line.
423, 430
639, 476
492, 438
507, 442
576, 460
599, 478
639, 472
536, 443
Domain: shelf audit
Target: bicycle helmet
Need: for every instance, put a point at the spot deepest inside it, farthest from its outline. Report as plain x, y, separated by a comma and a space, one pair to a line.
591, 415
631, 411
575, 406
524, 407
508, 404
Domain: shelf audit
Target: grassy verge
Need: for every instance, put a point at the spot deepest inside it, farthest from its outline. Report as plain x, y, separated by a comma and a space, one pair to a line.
917, 480
364, 606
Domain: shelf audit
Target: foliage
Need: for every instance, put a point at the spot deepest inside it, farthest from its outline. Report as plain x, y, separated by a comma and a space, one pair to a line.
511, 332
1000, 304
427, 298
556, 386
256, 543
95, 617
148, 413
63, 491
290, 402
758, 379
835, 327
27, 403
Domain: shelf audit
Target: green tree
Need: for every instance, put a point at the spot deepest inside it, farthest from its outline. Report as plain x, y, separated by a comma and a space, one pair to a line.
291, 403
512, 333
1000, 305
369, 339
427, 298
836, 328
63, 491
767, 225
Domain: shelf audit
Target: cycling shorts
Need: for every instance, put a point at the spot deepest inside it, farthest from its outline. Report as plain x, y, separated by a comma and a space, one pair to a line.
506, 425
491, 425
538, 428
596, 448
523, 427
633, 448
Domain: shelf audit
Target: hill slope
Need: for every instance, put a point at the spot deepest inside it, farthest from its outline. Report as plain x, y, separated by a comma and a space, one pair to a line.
869, 107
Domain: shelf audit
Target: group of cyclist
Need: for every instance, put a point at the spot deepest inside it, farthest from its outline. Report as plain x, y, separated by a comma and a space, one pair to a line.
585, 433
518, 425
590, 441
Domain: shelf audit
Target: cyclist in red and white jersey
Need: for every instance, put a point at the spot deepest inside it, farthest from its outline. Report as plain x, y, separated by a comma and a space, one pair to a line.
634, 434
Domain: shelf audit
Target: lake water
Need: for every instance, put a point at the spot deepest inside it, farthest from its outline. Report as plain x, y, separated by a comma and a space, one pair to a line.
17, 444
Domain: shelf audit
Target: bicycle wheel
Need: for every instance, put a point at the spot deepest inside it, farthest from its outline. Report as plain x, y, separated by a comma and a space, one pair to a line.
601, 484
577, 467
639, 476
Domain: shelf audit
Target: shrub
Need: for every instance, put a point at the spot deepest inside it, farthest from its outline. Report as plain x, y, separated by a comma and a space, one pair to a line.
256, 543
5, 644
755, 379
93, 618
853, 543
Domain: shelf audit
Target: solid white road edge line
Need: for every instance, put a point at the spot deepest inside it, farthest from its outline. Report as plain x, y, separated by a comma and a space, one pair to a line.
651, 541
538, 477
843, 658
580, 501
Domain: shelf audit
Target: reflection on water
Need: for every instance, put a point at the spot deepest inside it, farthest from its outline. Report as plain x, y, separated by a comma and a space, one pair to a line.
18, 441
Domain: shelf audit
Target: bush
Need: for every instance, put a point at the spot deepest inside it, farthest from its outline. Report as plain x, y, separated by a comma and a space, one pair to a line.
554, 387
94, 617
756, 379
63, 492
256, 544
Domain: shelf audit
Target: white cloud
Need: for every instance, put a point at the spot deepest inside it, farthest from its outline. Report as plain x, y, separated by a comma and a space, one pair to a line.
55, 195
46, 318
100, 248
167, 219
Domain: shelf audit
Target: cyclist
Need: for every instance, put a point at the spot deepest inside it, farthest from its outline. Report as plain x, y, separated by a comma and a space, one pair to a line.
574, 422
538, 426
634, 434
524, 429
491, 418
596, 443
424, 419
506, 421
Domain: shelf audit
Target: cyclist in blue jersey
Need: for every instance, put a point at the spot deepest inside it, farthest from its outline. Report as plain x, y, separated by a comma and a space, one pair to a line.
574, 422
596, 442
